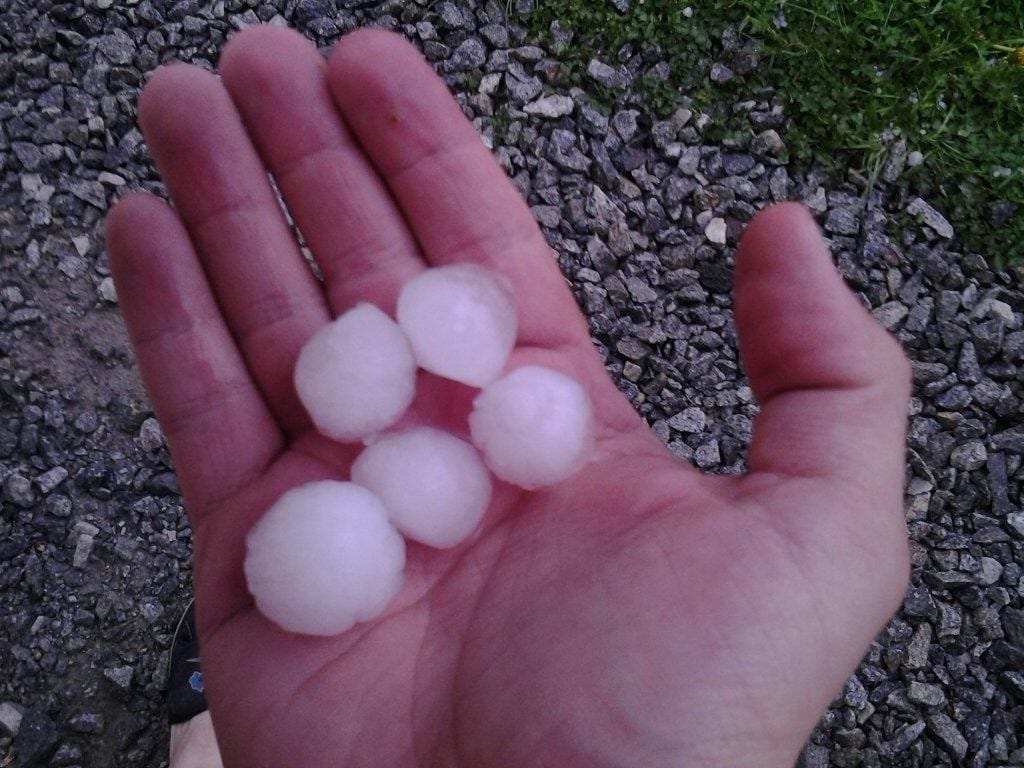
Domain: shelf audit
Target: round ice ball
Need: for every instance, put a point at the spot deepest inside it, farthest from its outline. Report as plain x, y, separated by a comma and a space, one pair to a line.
356, 376
534, 426
323, 558
460, 320
435, 486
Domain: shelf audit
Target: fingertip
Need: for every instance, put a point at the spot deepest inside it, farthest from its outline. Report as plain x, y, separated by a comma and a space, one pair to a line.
173, 90
257, 52
781, 231
368, 52
786, 212
130, 212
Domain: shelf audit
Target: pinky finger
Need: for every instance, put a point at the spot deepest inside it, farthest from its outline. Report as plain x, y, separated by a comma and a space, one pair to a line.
218, 428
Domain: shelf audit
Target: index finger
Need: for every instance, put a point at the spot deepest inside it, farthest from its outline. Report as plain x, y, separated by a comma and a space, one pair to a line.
457, 200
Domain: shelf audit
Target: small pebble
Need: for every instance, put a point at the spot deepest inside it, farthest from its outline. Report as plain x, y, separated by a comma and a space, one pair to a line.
534, 426
83, 548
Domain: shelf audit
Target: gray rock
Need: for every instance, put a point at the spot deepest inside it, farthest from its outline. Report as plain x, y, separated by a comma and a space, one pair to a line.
83, 549
842, 221
632, 348
151, 436
926, 693
28, 154
551, 106
107, 291
951, 619
10, 717
969, 456
91, 192
50, 479
768, 143
895, 162
968, 369
737, 163
87, 722
563, 151
470, 53
707, 455
947, 579
624, 123
67, 755
990, 571
689, 420
949, 737
307, 11
601, 258
37, 736
854, 693
890, 314
87, 421
523, 90
120, 676
641, 291
117, 46
720, 73
17, 489
59, 506
496, 35
905, 736
990, 535
1016, 522
955, 398
1013, 682
931, 217
452, 16
610, 77
915, 655
592, 120
716, 231
814, 756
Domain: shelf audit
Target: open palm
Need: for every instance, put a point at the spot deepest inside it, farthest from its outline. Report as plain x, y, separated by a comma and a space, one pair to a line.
639, 613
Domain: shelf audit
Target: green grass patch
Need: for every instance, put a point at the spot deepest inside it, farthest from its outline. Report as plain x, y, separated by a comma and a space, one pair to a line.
947, 75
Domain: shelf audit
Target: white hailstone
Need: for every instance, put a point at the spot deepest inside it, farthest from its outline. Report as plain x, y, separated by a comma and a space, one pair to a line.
323, 558
534, 426
356, 376
461, 322
435, 486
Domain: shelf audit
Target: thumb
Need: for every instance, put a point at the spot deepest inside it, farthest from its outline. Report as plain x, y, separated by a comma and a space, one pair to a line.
833, 384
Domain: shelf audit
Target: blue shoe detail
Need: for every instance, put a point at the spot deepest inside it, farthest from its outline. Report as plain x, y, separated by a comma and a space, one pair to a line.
195, 680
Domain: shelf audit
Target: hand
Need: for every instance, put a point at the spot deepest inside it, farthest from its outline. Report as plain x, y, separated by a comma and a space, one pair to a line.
639, 614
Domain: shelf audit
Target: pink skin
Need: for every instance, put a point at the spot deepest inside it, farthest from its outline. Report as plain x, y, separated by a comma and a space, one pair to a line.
640, 613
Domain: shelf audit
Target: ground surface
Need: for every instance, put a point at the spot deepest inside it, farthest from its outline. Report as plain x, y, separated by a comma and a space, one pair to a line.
643, 215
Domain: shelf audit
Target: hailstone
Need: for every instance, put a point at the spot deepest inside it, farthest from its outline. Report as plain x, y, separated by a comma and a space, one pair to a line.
534, 426
434, 485
460, 320
323, 558
356, 376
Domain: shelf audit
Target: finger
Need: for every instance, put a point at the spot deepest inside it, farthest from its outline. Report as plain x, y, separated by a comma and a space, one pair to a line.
219, 430
268, 294
365, 250
457, 200
832, 383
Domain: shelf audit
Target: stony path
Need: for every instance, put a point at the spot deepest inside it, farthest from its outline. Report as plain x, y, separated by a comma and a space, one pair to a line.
643, 215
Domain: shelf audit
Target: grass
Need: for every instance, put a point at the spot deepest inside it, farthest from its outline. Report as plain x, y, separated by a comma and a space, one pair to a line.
946, 75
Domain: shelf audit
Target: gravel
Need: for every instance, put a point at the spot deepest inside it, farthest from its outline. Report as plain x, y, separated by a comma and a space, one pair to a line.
643, 212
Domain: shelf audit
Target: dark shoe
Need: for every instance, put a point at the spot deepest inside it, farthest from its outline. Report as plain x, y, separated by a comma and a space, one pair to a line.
185, 697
